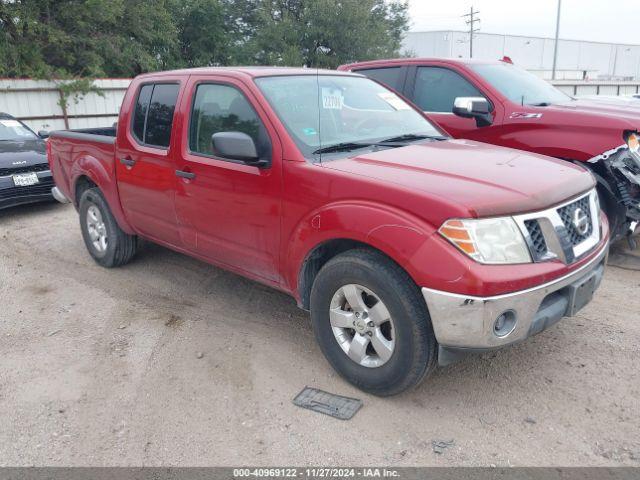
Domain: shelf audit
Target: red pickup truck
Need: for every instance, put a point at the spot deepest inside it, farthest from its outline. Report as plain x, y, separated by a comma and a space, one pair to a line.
499, 103
407, 247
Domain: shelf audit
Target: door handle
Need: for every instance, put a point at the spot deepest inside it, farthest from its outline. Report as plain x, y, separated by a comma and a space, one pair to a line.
128, 162
187, 175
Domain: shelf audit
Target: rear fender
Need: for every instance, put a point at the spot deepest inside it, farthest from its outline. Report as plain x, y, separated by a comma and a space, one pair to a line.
103, 175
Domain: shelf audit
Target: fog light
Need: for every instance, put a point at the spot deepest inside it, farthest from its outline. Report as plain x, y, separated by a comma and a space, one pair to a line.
505, 323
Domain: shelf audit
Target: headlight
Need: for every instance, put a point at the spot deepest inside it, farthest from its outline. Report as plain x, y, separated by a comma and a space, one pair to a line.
489, 240
633, 141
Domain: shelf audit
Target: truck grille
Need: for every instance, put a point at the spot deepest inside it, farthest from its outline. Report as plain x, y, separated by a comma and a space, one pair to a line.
538, 243
41, 167
567, 216
567, 231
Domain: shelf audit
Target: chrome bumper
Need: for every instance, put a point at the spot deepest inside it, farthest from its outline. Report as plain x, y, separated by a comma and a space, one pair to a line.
463, 321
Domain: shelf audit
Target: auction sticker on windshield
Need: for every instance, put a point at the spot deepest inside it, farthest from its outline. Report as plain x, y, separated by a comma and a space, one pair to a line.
332, 99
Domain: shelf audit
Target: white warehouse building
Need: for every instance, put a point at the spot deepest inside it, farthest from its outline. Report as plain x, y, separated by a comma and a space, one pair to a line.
577, 59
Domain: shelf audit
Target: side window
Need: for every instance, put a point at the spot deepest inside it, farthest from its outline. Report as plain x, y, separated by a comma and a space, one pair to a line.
222, 108
140, 113
153, 116
437, 88
389, 76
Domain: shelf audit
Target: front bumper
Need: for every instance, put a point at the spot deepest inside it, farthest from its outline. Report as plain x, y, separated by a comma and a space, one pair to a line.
462, 322
10, 195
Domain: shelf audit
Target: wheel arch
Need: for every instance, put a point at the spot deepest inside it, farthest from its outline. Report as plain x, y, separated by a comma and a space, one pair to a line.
318, 257
82, 183
615, 210
90, 172
407, 240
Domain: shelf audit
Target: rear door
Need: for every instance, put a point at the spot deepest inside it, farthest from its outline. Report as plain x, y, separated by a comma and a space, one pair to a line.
145, 162
393, 77
228, 211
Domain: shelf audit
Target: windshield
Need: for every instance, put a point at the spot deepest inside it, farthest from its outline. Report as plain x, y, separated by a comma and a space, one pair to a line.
13, 130
520, 86
331, 113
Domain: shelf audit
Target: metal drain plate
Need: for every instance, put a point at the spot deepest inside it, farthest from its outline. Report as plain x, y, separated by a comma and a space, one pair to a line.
320, 401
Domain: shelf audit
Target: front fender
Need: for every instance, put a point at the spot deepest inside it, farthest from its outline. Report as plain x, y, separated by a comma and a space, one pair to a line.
401, 236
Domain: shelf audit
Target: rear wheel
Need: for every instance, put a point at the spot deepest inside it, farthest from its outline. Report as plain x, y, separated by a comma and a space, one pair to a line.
106, 242
371, 322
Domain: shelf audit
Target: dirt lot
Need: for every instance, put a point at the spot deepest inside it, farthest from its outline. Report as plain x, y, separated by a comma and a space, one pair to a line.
102, 367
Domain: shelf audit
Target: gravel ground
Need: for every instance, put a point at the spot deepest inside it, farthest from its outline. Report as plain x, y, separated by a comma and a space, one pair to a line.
169, 361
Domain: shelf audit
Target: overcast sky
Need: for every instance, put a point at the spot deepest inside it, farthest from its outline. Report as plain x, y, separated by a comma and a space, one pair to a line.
616, 21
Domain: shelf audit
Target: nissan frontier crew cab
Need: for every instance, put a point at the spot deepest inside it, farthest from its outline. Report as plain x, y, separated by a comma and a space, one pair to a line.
407, 247
499, 103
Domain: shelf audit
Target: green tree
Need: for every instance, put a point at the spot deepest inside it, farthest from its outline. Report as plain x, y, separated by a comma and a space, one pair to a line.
121, 38
327, 33
205, 36
63, 38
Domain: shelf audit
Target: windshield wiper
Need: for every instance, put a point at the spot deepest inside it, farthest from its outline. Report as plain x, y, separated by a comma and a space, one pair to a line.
342, 147
388, 142
541, 104
409, 137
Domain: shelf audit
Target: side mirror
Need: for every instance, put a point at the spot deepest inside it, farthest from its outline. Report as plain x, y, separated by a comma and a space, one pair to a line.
236, 146
473, 107
43, 133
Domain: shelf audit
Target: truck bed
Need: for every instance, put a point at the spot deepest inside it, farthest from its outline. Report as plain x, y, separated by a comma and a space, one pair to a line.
89, 152
101, 135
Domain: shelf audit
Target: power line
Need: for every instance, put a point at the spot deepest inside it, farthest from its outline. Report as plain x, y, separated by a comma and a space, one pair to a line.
471, 22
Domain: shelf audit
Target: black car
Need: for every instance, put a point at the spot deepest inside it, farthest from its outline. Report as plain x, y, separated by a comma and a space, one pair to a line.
24, 171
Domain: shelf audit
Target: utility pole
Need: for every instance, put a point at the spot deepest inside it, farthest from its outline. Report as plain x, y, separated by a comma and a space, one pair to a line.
555, 45
471, 22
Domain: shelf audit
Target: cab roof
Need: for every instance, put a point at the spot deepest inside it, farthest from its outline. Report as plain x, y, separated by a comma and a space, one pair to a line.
412, 61
251, 72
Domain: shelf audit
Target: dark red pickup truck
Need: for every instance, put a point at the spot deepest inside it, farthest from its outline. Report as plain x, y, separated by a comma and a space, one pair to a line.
407, 247
499, 103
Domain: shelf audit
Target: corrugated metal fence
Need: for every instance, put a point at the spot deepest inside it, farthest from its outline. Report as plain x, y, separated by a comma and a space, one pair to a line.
37, 103
597, 87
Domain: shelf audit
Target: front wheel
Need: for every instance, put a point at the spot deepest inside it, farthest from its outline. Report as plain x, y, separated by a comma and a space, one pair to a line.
371, 323
106, 242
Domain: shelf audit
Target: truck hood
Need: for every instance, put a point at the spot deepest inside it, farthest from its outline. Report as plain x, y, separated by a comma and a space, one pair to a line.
625, 116
482, 179
19, 154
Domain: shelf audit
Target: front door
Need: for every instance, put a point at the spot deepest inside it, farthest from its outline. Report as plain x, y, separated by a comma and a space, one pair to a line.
228, 211
434, 90
145, 163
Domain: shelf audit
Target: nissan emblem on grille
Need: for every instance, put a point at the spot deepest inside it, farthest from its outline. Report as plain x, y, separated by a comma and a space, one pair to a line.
577, 220
580, 221
565, 232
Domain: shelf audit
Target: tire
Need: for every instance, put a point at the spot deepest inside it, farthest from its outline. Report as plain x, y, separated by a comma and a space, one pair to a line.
97, 223
372, 278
